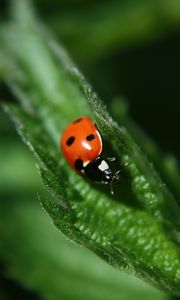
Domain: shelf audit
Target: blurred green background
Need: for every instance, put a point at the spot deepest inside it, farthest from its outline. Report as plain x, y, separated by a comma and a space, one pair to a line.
128, 49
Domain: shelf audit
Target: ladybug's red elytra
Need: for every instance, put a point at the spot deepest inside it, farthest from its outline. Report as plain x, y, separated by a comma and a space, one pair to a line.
82, 147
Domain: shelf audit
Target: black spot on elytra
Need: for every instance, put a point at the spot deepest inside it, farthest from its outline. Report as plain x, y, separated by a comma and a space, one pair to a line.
90, 137
70, 141
79, 164
77, 121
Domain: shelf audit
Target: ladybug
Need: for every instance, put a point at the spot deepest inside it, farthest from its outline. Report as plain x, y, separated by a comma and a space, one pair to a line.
82, 147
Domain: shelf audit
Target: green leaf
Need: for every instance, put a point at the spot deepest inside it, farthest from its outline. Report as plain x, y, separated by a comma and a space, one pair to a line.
166, 163
67, 260
137, 230
55, 268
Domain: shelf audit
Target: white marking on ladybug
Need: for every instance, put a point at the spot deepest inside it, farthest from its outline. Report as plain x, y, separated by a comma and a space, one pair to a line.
86, 146
103, 166
85, 163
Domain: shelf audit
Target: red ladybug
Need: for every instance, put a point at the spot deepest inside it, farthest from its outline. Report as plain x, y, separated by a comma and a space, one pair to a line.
81, 145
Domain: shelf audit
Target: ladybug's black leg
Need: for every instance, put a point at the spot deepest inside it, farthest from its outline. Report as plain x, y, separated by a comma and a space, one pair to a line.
110, 159
105, 182
117, 175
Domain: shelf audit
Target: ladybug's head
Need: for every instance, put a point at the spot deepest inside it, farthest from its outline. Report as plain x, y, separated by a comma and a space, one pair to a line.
99, 170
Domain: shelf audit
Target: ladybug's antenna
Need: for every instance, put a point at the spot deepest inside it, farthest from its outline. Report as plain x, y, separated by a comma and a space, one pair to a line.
116, 176
111, 186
